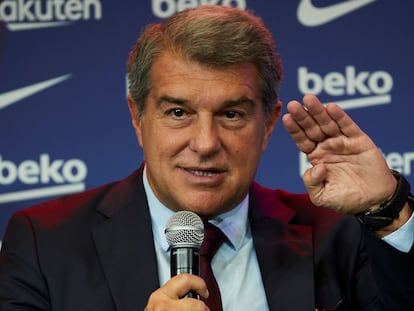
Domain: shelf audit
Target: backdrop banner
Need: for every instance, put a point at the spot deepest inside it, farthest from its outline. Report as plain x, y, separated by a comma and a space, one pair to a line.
64, 120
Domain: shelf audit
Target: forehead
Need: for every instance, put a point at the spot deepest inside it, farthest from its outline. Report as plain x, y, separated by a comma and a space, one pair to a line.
174, 73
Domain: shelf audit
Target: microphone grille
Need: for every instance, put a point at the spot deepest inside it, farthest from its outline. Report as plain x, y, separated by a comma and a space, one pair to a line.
184, 228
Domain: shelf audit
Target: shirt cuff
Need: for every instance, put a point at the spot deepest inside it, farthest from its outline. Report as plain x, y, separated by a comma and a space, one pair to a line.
403, 238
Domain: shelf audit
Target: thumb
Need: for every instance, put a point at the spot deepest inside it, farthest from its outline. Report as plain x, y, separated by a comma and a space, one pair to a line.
313, 180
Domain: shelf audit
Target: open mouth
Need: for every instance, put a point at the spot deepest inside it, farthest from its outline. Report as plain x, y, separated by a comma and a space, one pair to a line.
204, 173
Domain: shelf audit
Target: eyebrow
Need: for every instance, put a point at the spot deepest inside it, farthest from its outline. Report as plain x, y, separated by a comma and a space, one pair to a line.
184, 102
172, 100
240, 101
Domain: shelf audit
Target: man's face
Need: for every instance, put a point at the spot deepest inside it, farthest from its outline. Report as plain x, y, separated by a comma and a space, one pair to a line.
203, 132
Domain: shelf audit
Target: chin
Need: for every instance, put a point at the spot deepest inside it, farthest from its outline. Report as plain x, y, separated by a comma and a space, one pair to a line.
206, 204
203, 210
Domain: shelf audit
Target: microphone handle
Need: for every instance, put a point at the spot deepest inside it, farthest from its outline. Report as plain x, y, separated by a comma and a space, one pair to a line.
185, 260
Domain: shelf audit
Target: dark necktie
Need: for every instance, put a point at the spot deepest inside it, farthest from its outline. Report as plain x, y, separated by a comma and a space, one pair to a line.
213, 238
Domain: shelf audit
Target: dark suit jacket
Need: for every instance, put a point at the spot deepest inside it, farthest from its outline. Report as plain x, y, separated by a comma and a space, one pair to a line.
95, 251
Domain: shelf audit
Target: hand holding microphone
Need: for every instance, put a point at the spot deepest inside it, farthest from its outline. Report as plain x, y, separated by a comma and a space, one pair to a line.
185, 233
189, 242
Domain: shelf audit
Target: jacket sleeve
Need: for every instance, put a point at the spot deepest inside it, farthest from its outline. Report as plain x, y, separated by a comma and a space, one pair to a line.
22, 286
393, 271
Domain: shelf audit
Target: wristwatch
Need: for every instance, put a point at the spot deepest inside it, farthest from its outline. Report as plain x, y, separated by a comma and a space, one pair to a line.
390, 209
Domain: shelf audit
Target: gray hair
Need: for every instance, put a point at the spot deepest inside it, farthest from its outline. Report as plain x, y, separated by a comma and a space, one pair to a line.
213, 35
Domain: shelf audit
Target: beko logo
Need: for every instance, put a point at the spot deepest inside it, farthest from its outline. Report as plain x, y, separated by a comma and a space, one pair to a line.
366, 88
167, 8
61, 177
310, 15
34, 14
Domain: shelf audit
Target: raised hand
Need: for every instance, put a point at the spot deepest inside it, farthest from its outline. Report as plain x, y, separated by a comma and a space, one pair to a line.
349, 174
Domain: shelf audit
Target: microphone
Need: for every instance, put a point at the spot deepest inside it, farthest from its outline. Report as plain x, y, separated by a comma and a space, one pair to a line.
185, 233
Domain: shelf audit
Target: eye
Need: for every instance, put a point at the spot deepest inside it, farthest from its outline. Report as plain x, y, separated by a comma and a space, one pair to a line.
176, 113
233, 119
232, 114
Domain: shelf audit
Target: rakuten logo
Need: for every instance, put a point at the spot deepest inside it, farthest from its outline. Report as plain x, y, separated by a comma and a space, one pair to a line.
66, 177
167, 8
401, 162
374, 88
33, 14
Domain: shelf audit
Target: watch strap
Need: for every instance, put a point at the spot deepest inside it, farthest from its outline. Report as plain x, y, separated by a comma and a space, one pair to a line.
388, 210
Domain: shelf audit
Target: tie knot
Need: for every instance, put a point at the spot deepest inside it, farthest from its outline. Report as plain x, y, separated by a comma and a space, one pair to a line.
213, 238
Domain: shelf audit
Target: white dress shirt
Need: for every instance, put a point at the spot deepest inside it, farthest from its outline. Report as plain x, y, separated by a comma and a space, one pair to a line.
239, 287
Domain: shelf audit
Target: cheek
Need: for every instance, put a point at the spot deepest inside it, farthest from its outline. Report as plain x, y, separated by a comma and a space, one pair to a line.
162, 143
245, 150
252, 141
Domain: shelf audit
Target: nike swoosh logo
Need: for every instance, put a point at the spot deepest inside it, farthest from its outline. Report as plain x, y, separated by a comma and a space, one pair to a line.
311, 16
11, 97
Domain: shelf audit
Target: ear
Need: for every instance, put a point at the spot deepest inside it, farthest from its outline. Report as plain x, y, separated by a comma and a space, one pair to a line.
270, 124
136, 120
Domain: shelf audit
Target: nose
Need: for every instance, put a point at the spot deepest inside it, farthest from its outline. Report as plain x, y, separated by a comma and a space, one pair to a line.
205, 138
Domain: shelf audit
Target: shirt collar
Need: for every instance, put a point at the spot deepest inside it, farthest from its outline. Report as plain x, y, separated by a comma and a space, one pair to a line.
233, 223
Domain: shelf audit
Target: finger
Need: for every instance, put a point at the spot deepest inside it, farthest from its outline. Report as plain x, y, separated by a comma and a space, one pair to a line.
159, 302
299, 136
189, 304
347, 126
305, 120
181, 284
168, 297
317, 110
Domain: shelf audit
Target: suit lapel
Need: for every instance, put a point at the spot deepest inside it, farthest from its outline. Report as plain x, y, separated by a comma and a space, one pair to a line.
125, 246
284, 252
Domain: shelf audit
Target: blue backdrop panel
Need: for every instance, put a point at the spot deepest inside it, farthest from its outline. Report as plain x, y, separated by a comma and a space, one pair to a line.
64, 122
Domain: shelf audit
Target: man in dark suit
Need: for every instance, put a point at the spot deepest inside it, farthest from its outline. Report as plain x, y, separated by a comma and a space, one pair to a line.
204, 102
